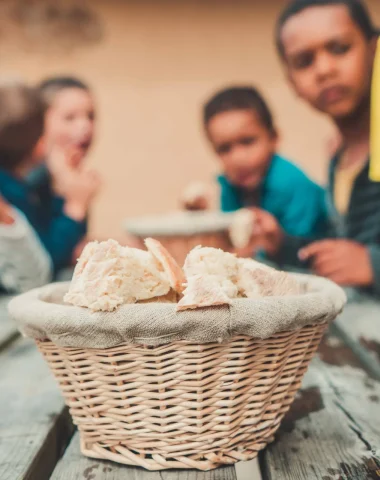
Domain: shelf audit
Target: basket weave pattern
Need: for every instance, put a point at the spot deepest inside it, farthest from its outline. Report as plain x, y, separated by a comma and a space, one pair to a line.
182, 405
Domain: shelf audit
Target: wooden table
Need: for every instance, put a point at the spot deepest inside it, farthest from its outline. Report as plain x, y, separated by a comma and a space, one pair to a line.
331, 432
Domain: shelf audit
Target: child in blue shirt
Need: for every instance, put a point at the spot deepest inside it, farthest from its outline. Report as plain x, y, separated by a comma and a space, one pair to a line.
241, 130
21, 128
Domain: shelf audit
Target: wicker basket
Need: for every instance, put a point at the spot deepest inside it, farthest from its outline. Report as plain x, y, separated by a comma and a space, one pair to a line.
182, 405
181, 231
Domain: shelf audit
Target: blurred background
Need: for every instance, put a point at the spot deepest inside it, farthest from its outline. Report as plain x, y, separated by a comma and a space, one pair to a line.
151, 64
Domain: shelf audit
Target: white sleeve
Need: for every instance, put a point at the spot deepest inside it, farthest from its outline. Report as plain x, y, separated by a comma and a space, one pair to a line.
24, 262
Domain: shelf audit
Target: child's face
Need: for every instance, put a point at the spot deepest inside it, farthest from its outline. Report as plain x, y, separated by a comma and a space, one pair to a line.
244, 146
328, 59
70, 121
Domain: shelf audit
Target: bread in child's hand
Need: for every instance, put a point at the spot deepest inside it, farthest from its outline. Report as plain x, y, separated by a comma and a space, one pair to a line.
242, 227
195, 197
166, 262
108, 275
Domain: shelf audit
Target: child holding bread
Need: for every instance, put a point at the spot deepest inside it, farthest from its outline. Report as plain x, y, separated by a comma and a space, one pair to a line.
240, 128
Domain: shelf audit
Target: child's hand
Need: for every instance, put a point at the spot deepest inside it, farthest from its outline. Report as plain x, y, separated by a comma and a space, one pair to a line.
78, 188
59, 160
345, 262
75, 184
267, 235
6, 216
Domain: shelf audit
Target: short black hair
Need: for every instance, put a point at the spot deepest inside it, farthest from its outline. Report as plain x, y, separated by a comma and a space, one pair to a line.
239, 98
52, 85
356, 8
21, 123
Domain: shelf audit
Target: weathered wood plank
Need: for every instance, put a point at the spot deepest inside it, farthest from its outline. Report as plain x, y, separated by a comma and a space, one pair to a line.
333, 428
359, 328
74, 466
8, 329
34, 426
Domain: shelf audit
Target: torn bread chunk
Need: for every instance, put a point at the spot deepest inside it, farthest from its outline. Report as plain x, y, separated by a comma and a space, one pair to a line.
211, 278
108, 275
211, 261
242, 227
204, 291
195, 197
167, 264
256, 280
229, 277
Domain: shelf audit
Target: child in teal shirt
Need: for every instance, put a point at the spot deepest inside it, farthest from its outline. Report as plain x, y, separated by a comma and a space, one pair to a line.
240, 128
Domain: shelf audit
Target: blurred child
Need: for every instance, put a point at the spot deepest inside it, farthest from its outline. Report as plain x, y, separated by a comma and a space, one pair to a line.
70, 115
21, 126
68, 135
68, 131
241, 130
327, 48
24, 262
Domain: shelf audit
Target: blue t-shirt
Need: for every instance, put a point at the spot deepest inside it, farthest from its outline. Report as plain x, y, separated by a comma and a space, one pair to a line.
287, 193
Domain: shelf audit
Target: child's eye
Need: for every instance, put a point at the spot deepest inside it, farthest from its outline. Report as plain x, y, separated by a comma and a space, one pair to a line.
338, 48
303, 60
69, 118
248, 140
224, 148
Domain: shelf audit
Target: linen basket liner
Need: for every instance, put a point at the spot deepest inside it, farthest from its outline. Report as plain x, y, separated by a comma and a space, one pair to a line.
42, 314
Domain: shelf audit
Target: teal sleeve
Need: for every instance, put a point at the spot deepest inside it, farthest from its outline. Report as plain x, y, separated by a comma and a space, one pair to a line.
60, 240
305, 215
229, 198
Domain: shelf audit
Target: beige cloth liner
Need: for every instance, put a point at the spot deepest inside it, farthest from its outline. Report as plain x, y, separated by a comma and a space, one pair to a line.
41, 314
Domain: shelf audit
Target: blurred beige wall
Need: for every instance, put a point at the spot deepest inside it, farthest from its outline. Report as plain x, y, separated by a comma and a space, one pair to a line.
154, 66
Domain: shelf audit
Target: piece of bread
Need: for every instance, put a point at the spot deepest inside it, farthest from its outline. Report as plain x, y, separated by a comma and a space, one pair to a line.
242, 227
195, 197
211, 261
211, 278
171, 297
167, 263
215, 277
257, 280
203, 291
108, 275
